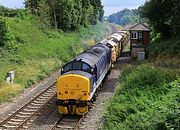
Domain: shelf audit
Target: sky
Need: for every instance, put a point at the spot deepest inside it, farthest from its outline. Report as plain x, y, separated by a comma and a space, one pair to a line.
110, 6
12, 3
113, 6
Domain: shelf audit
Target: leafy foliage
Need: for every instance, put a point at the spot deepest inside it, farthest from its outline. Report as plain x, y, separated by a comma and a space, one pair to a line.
67, 14
8, 12
147, 99
161, 46
163, 15
3, 31
124, 17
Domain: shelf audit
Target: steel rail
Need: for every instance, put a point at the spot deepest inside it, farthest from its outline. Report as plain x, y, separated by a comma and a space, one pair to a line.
46, 98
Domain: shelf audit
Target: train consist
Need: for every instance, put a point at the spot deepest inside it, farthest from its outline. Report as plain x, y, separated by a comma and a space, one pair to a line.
82, 76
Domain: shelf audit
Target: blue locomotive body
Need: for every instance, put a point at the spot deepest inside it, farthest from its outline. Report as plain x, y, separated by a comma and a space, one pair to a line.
80, 79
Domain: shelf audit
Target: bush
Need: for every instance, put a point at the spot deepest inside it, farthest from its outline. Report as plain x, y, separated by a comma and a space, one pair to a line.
148, 98
164, 47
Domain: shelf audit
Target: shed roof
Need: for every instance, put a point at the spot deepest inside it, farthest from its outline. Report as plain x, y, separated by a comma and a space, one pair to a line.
127, 27
140, 27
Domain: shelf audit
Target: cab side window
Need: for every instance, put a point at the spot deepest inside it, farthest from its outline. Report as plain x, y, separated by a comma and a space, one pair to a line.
86, 67
67, 67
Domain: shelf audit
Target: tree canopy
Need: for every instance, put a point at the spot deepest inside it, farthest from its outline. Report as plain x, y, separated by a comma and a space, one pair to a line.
163, 15
126, 16
67, 14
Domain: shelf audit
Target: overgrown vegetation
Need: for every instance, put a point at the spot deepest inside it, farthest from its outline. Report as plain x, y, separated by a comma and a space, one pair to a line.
147, 98
165, 26
166, 47
126, 16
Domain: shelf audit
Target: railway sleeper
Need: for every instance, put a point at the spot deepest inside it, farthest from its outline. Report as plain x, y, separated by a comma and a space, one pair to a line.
29, 110
65, 127
42, 97
26, 113
47, 95
49, 91
13, 123
21, 116
35, 104
25, 127
41, 100
9, 126
32, 107
16, 120
38, 102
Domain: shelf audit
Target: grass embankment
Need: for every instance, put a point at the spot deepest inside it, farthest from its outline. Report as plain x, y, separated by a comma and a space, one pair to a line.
146, 99
37, 52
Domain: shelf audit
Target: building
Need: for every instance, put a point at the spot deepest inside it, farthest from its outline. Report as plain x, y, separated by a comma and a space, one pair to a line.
139, 37
140, 34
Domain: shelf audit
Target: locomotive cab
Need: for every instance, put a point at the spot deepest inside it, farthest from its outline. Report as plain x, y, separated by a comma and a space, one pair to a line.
74, 87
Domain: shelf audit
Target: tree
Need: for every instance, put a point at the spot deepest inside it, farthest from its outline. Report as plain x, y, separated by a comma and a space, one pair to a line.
163, 15
98, 11
124, 17
87, 13
67, 14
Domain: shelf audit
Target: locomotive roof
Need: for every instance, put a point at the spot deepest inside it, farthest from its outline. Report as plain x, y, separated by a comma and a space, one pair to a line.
83, 73
93, 55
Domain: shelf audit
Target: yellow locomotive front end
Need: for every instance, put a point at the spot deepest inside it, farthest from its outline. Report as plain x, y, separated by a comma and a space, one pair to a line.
73, 94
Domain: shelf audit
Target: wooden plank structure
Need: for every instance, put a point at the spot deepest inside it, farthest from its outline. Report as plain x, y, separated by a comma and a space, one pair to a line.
139, 37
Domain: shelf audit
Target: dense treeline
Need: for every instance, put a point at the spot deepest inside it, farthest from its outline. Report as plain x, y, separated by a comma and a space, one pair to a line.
163, 15
126, 16
67, 14
7, 12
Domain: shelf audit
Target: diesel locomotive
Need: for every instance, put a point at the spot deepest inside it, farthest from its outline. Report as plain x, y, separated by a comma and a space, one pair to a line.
82, 76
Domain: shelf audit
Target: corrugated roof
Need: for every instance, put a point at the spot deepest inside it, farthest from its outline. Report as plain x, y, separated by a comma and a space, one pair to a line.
140, 27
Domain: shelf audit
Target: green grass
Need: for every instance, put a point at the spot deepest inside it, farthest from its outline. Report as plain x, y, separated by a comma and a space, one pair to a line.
37, 51
146, 99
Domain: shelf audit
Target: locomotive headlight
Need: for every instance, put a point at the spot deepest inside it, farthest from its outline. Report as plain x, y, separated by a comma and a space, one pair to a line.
91, 70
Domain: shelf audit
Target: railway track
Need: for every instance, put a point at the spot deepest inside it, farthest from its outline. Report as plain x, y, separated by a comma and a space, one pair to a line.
22, 117
67, 122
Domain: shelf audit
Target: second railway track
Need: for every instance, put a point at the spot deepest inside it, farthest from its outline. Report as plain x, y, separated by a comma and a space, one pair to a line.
23, 116
67, 122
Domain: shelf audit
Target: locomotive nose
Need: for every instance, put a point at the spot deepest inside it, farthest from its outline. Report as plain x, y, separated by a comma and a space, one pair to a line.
73, 86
